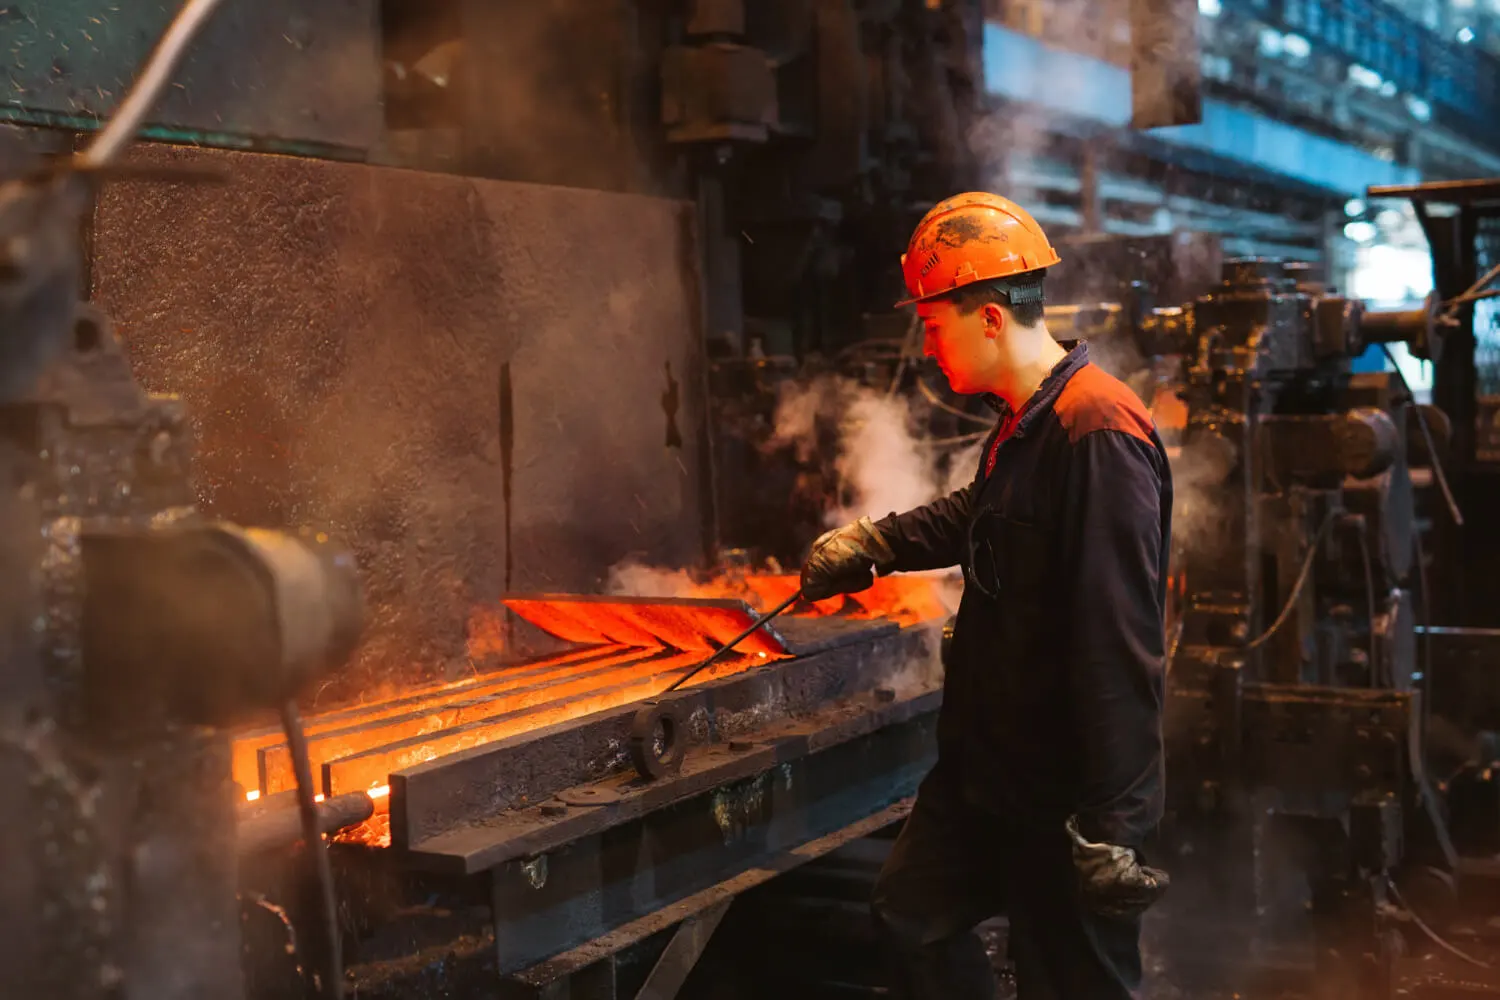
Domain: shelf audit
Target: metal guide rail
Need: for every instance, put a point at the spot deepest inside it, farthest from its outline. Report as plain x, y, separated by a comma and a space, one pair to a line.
507, 801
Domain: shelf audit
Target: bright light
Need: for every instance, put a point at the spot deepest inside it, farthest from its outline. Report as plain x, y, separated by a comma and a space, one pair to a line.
1213, 8
1388, 277
1354, 208
1296, 46
252, 796
1420, 109
1465, 35
1360, 232
1387, 89
1364, 77
1390, 218
378, 792
1270, 42
1462, 4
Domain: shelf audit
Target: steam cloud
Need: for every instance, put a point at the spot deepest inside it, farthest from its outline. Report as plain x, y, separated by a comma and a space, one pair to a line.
884, 460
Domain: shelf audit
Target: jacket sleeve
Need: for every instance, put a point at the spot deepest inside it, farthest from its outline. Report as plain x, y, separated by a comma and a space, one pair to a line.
929, 537
1115, 650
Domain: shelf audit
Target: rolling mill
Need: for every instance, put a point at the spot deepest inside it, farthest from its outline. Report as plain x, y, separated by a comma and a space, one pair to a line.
332, 402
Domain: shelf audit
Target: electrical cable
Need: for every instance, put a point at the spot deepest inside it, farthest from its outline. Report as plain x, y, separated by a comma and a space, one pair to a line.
1426, 643
960, 439
1437, 465
1436, 938
154, 78
933, 398
332, 978
1373, 649
906, 355
1291, 600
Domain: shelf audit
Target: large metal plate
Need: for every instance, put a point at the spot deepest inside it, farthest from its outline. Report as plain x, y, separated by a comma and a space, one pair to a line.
339, 333
674, 622
269, 69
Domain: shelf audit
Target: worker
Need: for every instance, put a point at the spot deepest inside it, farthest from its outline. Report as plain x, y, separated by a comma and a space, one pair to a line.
1049, 774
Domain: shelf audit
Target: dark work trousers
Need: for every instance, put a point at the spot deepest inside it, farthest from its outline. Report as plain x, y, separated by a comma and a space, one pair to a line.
955, 865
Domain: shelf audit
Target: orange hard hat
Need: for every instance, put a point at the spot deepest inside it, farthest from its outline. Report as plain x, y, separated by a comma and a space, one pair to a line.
972, 237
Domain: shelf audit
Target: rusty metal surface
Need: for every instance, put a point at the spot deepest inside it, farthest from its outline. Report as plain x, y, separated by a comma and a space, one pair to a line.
337, 332
272, 69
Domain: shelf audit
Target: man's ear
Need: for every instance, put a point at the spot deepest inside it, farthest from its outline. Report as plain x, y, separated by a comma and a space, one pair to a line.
994, 320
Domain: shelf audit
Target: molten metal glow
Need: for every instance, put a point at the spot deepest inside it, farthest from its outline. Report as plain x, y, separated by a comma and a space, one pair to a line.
361, 769
906, 600
635, 650
249, 747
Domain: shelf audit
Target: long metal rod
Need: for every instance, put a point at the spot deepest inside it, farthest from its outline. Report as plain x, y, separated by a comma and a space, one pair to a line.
724, 649
331, 977
152, 81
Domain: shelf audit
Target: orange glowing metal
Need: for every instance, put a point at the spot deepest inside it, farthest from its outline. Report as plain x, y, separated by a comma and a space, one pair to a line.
361, 770
907, 600
701, 625
634, 650
247, 746
275, 762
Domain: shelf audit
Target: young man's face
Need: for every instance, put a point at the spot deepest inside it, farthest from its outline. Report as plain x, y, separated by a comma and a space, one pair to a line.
963, 344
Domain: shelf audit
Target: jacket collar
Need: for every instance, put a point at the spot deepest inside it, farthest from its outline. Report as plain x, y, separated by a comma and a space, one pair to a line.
1046, 394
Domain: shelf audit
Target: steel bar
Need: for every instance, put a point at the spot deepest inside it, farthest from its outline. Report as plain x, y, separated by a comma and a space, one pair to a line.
762, 621
649, 851
279, 828
678, 623
473, 785
438, 719
683, 952
563, 968
374, 766
248, 744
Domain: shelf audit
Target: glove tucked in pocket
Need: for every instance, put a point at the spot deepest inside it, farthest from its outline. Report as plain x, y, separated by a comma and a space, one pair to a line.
1111, 879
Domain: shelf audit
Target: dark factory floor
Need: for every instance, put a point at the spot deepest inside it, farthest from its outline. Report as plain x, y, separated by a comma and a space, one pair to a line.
814, 921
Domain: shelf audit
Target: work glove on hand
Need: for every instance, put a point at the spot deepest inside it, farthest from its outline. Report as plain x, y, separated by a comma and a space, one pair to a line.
1112, 879
842, 561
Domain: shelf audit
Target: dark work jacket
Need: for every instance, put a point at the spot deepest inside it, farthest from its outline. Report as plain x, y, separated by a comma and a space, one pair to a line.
1053, 697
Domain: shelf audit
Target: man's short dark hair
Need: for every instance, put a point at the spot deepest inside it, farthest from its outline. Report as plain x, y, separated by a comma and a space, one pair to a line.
1022, 295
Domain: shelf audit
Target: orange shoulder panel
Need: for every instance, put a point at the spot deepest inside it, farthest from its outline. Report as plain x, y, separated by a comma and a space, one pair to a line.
1094, 400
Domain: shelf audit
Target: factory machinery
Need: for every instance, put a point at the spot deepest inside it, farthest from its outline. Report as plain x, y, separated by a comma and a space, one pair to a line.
536, 827
577, 822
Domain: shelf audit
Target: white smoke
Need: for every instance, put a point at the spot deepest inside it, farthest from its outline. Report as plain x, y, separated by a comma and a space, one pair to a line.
637, 579
883, 457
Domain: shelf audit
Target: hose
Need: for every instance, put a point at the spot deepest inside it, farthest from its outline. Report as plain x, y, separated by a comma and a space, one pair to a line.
1291, 600
1435, 937
1437, 465
933, 398
1374, 650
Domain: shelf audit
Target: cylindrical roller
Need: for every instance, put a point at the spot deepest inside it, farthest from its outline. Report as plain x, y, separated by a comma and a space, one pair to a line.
658, 740
1367, 442
1416, 327
279, 828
